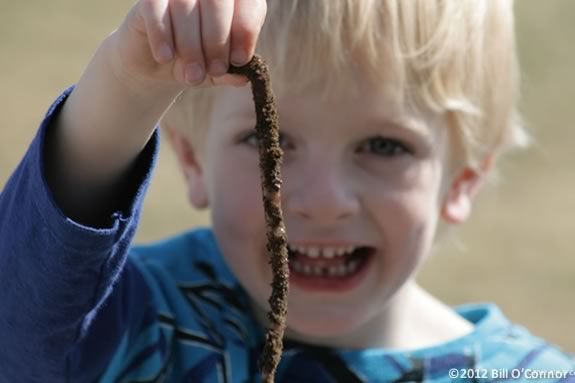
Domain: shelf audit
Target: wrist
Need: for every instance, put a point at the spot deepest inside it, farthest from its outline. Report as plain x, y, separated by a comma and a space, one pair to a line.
135, 79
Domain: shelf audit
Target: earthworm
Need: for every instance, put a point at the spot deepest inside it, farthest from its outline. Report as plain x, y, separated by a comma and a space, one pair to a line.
270, 158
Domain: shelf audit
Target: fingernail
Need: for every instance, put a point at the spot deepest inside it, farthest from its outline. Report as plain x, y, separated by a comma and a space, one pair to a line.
239, 57
165, 53
194, 73
218, 68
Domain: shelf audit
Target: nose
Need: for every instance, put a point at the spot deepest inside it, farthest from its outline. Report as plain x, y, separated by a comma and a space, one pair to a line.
320, 192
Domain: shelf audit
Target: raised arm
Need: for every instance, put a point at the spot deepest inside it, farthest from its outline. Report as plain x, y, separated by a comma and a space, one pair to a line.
69, 211
161, 48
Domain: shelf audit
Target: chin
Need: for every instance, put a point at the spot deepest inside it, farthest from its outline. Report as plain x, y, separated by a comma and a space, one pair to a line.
325, 330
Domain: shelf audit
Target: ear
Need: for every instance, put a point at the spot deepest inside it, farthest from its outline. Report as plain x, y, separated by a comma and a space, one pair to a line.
190, 166
456, 206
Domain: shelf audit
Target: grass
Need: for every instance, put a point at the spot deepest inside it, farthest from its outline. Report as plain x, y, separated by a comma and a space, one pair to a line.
518, 249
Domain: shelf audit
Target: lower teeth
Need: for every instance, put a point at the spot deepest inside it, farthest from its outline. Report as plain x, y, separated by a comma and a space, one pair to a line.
342, 270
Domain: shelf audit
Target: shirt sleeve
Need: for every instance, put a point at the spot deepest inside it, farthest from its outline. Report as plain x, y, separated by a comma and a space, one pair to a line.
56, 275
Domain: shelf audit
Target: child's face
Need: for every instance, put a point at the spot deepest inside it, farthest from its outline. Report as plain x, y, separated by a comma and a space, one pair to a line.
358, 173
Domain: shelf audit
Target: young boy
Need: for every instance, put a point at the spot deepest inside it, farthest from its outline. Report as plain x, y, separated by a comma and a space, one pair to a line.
392, 113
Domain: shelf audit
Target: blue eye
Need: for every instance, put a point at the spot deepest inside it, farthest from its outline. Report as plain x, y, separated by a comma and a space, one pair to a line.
382, 146
251, 139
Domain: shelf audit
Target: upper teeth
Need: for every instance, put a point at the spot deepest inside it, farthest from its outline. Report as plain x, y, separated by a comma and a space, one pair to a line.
327, 252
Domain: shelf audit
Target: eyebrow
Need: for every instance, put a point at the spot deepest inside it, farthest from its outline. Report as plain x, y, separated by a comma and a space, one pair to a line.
411, 124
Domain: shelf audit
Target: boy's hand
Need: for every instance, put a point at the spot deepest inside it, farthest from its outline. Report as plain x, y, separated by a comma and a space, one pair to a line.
179, 43
162, 47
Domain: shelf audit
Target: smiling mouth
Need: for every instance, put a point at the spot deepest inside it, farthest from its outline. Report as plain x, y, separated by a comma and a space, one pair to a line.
314, 268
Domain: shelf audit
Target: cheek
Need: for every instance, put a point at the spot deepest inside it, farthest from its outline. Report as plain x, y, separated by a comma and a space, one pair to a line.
236, 200
239, 226
407, 226
238, 219
407, 213
420, 223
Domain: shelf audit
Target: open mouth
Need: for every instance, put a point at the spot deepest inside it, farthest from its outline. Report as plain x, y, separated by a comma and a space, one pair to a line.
328, 267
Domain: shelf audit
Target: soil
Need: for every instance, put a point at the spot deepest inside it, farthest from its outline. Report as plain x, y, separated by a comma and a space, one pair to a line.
267, 131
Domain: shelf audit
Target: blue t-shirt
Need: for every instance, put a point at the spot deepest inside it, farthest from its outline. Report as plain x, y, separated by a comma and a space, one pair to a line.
80, 304
200, 324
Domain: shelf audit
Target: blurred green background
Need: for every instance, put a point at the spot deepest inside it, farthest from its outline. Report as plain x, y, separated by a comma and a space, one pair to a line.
519, 248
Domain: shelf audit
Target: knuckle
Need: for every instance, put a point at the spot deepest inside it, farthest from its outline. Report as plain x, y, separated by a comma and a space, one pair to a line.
243, 31
216, 43
156, 26
217, 47
180, 4
248, 25
189, 47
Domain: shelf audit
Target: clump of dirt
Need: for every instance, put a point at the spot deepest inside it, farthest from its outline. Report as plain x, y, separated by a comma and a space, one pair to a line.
267, 131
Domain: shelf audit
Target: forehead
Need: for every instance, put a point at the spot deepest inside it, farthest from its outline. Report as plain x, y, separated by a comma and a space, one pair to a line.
365, 103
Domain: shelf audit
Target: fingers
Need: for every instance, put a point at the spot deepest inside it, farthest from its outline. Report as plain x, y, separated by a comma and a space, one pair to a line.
186, 19
203, 36
216, 25
248, 19
159, 29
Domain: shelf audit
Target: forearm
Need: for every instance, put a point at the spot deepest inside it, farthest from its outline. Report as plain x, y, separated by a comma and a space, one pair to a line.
103, 126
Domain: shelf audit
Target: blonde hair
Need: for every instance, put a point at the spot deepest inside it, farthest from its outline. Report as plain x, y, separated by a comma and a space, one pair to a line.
456, 58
